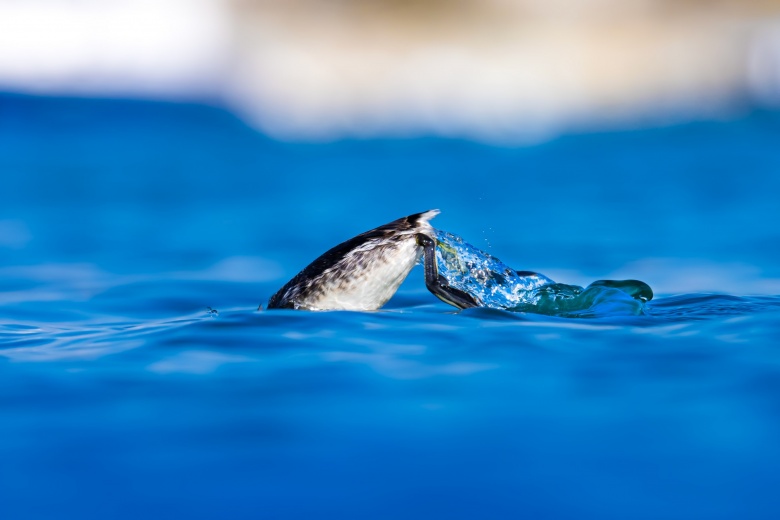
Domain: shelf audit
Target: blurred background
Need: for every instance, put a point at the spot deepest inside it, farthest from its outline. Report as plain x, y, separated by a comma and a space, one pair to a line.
500, 71
159, 158
578, 137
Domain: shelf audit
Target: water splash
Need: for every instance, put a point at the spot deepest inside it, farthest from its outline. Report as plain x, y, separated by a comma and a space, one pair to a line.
498, 286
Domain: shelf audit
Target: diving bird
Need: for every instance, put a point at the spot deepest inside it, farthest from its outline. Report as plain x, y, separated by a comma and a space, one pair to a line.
364, 272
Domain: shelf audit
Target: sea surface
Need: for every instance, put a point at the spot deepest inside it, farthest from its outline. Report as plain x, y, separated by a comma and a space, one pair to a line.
139, 379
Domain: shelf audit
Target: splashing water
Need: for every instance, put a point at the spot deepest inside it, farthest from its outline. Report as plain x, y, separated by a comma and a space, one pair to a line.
498, 286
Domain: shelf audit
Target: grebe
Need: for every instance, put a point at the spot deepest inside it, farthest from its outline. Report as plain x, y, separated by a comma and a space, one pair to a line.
364, 272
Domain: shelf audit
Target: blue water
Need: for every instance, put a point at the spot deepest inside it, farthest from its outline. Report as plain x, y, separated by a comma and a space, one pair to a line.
138, 378
493, 284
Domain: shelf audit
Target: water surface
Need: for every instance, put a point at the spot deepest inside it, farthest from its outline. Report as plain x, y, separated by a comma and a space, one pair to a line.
138, 378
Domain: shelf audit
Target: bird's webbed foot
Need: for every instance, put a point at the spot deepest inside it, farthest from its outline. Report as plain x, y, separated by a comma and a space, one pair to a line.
635, 288
436, 283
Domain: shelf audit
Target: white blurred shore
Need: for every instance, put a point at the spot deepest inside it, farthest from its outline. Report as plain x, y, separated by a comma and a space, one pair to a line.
502, 71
